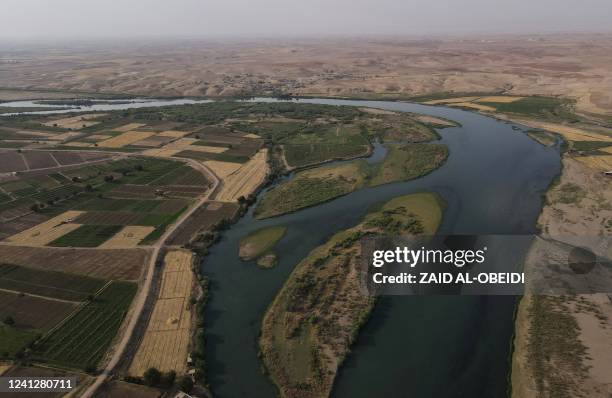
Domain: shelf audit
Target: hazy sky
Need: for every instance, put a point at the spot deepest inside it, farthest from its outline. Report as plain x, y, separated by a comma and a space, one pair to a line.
40, 19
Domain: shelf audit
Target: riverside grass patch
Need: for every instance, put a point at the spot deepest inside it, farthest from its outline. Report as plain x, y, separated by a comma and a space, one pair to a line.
311, 187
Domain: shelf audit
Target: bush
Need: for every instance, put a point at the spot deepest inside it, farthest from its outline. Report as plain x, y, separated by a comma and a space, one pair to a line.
186, 384
152, 377
168, 378
9, 320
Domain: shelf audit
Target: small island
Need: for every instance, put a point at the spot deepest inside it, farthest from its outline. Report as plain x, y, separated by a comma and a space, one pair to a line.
258, 246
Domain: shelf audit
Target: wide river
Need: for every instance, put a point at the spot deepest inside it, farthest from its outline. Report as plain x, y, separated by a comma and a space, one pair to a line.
413, 346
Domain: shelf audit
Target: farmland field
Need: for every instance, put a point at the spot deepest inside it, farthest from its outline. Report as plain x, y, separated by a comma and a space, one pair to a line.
84, 338
87, 236
105, 264
48, 283
166, 339
34, 313
203, 218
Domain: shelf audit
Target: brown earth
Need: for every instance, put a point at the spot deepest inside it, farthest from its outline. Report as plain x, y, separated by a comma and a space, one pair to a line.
575, 66
106, 264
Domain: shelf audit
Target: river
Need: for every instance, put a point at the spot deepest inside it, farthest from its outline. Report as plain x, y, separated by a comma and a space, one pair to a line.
421, 347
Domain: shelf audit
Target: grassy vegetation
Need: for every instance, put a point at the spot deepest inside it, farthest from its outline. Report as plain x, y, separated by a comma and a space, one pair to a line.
12, 340
87, 236
590, 147
542, 107
81, 341
542, 137
554, 347
260, 242
312, 187
48, 283
312, 322
406, 162
570, 193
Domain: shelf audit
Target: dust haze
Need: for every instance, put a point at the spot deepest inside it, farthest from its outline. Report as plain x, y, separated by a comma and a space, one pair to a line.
77, 19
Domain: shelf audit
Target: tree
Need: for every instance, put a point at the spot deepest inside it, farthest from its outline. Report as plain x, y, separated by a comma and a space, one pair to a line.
168, 379
152, 377
186, 384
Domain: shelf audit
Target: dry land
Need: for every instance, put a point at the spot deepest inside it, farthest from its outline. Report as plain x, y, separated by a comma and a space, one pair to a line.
573, 66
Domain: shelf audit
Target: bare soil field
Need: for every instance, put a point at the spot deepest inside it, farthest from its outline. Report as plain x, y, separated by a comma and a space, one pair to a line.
124, 264
33, 312
166, 341
203, 219
11, 161
574, 66
119, 389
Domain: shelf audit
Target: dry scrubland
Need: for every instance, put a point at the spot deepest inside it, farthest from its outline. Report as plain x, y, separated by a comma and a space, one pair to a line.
166, 340
574, 66
562, 343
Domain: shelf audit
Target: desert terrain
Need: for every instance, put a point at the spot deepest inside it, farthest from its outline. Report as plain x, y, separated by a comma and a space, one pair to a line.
572, 66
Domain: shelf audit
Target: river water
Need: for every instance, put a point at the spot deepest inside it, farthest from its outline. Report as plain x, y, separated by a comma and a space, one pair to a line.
413, 346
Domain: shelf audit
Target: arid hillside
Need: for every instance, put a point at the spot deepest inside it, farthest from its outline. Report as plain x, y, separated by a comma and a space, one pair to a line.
573, 66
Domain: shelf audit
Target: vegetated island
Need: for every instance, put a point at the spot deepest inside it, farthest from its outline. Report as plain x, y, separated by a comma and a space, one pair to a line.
259, 245
311, 324
311, 187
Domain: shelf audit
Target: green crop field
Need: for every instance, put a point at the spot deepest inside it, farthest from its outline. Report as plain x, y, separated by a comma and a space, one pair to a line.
13, 340
48, 283
87, 236
84, 338
107, 204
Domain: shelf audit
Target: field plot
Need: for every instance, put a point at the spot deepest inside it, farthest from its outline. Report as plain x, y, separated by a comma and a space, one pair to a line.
8, 228
126, 138
128, 127
83, 339
34, 313
39, 160
86, 236
11, 161
75, 122
246, 179
601, 163
119, 389
473, 106
129, 236
50, 284
166, 341
124, 264
202, 219
47, 231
